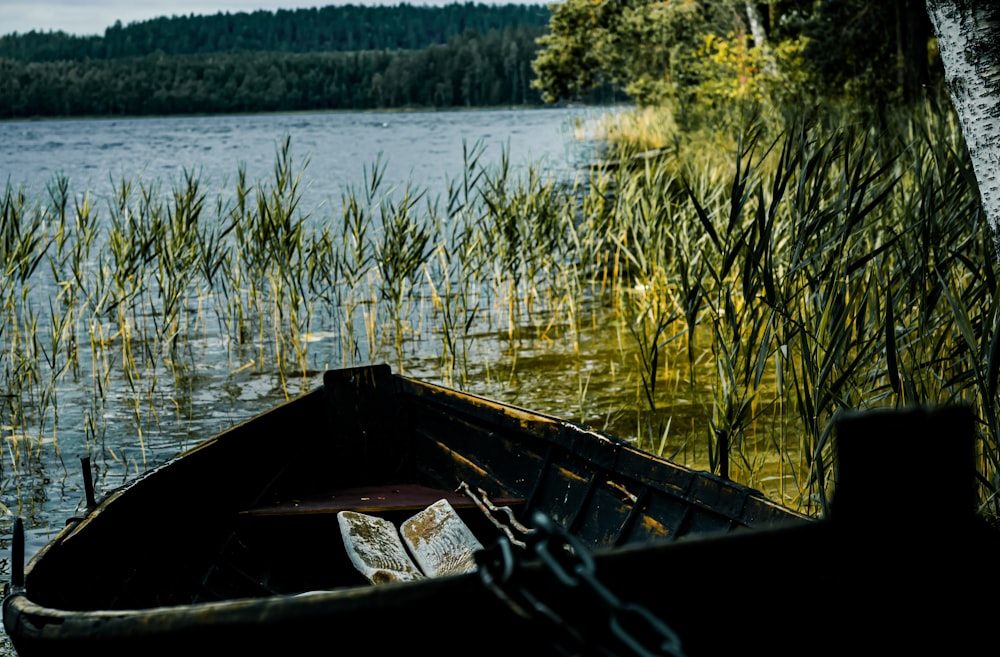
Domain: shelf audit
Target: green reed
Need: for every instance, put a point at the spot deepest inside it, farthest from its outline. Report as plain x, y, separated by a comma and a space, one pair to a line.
456, 270
721, 310
832, 275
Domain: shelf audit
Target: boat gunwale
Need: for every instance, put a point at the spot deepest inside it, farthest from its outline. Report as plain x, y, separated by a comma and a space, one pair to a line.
66, 624
606, 451
78, 523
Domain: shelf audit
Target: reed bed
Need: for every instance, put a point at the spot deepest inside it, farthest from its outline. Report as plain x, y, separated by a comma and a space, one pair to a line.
719, 311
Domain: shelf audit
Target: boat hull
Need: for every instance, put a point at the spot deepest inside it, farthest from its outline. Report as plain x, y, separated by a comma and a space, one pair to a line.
236, 543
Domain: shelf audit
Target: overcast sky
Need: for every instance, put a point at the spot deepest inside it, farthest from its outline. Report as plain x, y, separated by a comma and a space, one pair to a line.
93, 16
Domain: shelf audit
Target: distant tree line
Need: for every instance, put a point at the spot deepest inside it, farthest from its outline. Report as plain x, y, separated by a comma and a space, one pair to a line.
346, 57
333, 28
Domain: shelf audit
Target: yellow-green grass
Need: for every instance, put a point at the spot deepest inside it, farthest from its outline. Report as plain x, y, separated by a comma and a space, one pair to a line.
733, 293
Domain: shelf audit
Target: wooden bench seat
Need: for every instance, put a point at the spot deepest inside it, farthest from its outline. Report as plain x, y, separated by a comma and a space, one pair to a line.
371, 499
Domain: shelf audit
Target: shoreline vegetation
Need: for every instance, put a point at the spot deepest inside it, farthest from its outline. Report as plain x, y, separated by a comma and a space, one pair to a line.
791, 238
736, 301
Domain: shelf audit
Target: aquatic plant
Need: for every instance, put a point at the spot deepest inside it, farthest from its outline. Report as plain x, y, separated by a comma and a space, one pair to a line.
720, 311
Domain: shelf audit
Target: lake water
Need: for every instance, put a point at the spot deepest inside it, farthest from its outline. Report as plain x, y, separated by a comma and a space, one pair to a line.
332, 150
333, 153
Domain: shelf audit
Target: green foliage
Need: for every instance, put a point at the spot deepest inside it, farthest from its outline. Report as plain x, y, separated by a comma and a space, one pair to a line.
873, 52
567, 63
697, 56
631, 44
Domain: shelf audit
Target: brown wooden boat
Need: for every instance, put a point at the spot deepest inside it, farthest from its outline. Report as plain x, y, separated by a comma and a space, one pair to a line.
301, 529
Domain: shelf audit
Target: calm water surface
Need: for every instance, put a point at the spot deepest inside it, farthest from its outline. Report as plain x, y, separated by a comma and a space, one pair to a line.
333, 153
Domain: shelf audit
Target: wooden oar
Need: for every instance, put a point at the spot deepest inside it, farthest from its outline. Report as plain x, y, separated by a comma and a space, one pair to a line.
374, 547
440, 541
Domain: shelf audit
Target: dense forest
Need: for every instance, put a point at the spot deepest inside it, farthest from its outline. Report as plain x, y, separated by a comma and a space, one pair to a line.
333, 28
696, 57
337, 57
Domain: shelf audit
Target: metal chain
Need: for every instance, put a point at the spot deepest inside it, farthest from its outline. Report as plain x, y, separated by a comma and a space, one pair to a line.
590, 620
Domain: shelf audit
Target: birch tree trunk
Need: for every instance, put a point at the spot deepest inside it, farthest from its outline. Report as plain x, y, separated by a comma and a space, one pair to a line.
968, 34
756, 21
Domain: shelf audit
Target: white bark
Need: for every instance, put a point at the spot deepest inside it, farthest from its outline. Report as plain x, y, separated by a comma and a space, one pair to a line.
759, 32
968, 34
756, 21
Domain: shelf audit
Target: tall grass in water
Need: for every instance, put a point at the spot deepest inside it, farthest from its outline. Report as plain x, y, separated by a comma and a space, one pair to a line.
720, 310
834, 269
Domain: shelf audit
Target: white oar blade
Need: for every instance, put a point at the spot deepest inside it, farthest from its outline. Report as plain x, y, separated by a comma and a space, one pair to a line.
374, 547
440, 541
